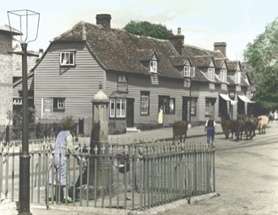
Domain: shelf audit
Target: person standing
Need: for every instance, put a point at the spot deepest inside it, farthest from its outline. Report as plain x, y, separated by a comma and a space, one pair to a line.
62, 144
210, 129
275, 116
160, 117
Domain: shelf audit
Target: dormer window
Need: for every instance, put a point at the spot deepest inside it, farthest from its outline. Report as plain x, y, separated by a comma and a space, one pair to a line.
211, 74
153, 67
186, 71
223, 75
237, 77
192, 71
67, 58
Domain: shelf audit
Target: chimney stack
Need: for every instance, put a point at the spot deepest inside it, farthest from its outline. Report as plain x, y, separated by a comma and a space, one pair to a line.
104, 20
177, 41
221, 46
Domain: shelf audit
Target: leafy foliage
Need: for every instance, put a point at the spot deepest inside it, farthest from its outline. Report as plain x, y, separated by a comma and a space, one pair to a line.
148, 29
262, 56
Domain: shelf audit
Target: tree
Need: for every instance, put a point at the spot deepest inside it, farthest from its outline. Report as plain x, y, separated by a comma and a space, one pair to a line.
262, 56
148, 29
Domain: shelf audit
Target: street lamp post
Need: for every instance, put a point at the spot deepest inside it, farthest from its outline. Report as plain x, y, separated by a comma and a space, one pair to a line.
24, 16
189, 117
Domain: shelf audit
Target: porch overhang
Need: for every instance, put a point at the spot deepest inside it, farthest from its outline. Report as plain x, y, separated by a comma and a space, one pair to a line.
227, 98
245, 99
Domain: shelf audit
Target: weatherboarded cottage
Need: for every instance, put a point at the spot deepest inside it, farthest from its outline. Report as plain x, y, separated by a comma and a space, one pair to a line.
139, 74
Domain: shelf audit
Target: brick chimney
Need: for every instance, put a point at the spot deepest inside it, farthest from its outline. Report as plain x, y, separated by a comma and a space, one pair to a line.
104, 20
177, 41
221, 46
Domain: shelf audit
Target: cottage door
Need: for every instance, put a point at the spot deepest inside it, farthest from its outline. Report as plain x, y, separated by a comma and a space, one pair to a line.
185, 108
130, 113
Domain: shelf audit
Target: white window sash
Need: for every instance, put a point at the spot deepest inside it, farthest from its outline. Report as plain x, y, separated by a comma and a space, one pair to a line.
121, 111
153, 66
186, 71
67, 58
60, 103
112, 110
144, 104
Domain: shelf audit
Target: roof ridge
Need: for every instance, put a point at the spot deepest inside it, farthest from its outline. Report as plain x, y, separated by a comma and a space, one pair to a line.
67, 31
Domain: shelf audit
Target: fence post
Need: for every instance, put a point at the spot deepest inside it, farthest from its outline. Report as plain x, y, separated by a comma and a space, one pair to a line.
7, 134
1, 167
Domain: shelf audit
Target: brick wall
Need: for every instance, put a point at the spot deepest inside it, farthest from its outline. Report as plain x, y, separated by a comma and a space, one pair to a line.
6, 77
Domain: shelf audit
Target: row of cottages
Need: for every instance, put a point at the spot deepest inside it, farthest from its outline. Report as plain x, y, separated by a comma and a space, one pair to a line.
139, 74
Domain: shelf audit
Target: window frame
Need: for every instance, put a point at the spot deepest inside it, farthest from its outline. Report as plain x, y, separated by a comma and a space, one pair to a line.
145, 94
164, 101
73, 53
59, 103
192, 71
153, 66
211, 106
211, 74
119, 82
115, 102
186, 71
112, 112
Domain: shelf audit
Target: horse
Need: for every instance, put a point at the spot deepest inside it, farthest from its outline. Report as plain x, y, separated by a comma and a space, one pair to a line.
262, 123
251, 123
179, 129
226, 125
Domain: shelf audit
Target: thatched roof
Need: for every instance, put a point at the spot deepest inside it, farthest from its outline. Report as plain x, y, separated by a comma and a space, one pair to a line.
117, 50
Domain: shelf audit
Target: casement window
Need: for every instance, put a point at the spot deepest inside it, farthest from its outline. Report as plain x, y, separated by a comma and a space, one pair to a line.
193, 106
209, 109
223, 75
112, 108
186, 71
58, 104
153, 66
237, 77
67, 58
117, 108
167, 104
122, 83
211, 74
192, 72
145, 103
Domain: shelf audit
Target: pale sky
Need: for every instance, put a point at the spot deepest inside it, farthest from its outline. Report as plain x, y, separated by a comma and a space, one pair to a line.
202, 22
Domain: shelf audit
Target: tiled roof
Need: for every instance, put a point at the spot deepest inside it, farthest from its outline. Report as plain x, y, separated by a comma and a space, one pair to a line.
7, 28
202, 61
219, 62
232, 65
194, 50
118, 50
216, 54
179, 60
200, 76
230, 80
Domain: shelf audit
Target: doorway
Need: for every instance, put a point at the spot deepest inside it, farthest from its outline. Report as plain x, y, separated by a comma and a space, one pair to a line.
185, 108
130, 113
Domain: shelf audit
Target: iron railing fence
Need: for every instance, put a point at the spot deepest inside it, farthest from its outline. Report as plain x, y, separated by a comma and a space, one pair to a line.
141, 175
